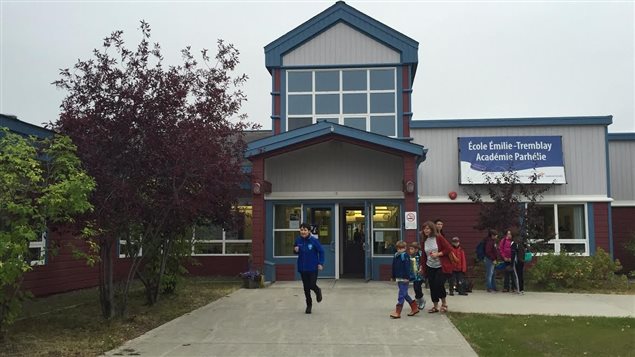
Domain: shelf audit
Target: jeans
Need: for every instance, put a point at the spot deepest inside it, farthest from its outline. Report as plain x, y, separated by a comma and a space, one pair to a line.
403, 293
490, 277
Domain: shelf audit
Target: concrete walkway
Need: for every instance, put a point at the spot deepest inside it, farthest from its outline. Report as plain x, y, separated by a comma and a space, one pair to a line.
352, 320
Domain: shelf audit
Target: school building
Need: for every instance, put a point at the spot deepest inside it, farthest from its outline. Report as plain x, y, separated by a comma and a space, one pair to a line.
346, 154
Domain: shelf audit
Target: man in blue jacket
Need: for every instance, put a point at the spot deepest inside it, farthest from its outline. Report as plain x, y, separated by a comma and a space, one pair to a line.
310, 261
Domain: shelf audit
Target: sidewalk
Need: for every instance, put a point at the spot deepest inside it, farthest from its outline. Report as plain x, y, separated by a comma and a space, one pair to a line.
352, 320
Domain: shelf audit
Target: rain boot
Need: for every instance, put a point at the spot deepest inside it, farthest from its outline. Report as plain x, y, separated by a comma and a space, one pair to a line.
414, 308
397, 313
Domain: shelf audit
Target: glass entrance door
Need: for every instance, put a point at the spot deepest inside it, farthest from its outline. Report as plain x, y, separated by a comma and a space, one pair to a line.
322, 221
354, 241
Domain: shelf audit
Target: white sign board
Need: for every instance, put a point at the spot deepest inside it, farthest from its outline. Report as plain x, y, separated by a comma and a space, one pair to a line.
411, 220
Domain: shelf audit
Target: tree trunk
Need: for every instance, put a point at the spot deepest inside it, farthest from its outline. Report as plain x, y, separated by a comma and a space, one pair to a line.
106, 286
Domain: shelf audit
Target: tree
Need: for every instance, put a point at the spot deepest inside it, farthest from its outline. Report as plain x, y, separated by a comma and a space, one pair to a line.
511, 205
163, 145
42, 183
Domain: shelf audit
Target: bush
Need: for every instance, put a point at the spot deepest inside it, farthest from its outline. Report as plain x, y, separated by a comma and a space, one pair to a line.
553, 272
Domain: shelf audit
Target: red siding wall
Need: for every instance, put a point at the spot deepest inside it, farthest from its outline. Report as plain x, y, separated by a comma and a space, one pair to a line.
385, 272
601, 223
285, 272
623, 231
220, 266
459, 220
62, 272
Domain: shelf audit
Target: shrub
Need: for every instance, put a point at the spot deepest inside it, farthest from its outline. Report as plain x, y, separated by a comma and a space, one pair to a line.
553, 272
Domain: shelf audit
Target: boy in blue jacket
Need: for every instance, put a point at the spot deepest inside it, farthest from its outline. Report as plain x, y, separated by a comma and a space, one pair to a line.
401, 272
310, 261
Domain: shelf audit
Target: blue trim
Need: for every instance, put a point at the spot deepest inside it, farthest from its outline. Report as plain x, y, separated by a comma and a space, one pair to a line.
283, 101
621, 136
23, 128
399, 99
591, 224
341, 12
508, 122
608, 161
324, 128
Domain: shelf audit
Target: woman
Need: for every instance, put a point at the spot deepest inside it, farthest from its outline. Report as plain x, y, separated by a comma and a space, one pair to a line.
310, 260
505, 250
518, 261
435, 264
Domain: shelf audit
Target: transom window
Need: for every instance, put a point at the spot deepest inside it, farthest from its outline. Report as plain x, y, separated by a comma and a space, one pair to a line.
360, 98
566, 224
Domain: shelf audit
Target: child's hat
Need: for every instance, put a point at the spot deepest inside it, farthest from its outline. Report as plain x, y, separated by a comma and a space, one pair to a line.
455, 239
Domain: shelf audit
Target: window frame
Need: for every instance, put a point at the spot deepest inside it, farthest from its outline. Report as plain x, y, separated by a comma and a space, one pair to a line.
295, 230
223, 241
373, 229
557, 241
41, 245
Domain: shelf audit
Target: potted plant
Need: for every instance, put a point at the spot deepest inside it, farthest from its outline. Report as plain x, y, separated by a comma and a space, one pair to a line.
252, 279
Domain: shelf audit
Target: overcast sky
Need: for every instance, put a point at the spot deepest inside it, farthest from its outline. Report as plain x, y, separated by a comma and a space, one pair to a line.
477, 59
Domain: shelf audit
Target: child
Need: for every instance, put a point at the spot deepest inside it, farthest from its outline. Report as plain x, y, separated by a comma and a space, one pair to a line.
416, 277
401, 271
310, 261
459, 267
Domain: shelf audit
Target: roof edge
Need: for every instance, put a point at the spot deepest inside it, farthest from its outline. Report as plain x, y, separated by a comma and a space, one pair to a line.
498, 122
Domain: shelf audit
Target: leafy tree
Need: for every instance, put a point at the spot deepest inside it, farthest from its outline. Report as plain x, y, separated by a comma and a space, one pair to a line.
165, 145
510, 205
42, 183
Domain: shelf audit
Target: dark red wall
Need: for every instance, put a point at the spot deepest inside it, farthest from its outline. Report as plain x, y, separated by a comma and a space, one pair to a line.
459, 220
601, 224
62, 272
623, 231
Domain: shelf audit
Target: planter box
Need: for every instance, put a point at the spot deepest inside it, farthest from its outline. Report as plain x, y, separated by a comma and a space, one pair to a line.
251, 284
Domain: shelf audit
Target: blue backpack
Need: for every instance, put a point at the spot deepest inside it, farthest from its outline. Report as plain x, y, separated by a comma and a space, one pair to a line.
480, 250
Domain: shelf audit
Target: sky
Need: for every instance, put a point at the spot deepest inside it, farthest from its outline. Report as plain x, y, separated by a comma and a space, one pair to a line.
477, 59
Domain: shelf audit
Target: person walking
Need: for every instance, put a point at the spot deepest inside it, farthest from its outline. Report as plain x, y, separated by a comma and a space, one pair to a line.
459, 268
490, 260
401, 272
414, 250
436, 265
505, 250
310, 261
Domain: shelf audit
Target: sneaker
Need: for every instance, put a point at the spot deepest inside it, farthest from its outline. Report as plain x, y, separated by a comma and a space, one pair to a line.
422, 303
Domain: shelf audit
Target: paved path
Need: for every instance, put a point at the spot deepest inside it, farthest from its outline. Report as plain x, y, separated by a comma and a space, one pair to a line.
351, 321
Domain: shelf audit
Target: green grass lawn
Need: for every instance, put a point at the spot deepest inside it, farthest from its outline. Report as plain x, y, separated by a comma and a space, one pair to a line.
532, 335
71, 324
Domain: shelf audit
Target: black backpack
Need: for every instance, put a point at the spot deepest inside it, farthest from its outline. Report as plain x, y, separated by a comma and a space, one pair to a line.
480, 250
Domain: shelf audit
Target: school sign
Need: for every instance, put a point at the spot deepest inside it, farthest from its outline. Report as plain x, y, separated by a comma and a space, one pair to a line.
488, 156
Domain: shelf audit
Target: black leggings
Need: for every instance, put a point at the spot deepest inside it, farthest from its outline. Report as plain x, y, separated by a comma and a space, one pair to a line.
309, 282
436, 281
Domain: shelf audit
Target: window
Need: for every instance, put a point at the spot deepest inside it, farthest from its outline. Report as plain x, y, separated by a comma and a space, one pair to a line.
566, 223
214, 240
37, 251
386, 228
286, 223
129, 249
347, 97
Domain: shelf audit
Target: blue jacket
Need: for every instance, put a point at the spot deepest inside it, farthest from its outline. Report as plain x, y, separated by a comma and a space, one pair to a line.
310, 253
401, 267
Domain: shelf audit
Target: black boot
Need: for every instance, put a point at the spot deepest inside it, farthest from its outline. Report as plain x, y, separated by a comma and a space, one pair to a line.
308, 308
318, 294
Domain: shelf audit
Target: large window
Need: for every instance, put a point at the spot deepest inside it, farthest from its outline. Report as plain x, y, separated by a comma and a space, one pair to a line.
365, 99
386, 228
214, 240
285, 228
566, 225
